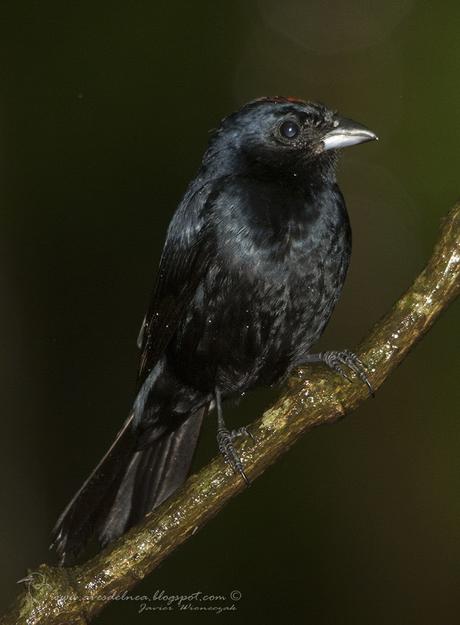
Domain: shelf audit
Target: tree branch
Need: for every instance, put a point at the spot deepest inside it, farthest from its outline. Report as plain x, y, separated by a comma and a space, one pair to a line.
313, 396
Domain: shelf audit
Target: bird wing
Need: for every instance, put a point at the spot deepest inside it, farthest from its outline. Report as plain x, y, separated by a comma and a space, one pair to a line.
182, 265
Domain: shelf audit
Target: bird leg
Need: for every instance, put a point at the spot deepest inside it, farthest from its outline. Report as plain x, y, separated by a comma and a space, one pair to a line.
340, 359
225, 440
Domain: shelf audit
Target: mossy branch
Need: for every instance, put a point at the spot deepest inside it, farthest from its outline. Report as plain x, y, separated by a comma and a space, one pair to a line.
56, 596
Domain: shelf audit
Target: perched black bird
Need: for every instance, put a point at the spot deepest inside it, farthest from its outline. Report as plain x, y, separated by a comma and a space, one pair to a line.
254, 262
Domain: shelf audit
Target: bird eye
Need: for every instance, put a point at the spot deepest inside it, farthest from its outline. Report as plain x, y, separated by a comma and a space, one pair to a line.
289, 130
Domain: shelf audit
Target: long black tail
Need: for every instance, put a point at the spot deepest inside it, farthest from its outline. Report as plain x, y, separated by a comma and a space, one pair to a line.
126, 485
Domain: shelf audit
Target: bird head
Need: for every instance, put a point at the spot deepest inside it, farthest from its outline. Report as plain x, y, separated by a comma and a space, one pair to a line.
283, 137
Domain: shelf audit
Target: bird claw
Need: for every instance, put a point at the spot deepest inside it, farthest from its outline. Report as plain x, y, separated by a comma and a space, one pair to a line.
335, 360
225, 440
242, 431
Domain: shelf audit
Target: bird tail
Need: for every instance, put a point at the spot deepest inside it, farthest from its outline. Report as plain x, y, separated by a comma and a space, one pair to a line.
126, 484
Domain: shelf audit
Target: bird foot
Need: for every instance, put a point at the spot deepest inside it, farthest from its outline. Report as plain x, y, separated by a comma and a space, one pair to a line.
338, 360
225, 440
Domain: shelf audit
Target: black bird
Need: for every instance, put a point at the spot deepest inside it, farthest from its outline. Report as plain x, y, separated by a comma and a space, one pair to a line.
253, 264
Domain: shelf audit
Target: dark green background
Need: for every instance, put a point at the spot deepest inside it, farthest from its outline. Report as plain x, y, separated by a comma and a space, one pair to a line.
104, 113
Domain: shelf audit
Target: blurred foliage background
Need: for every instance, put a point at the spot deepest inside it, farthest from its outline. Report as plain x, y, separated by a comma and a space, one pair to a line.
104, 113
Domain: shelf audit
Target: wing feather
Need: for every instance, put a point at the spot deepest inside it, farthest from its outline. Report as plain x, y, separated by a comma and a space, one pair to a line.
182, 266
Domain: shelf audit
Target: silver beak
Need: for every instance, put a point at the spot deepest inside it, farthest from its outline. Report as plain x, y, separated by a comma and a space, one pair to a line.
346, 132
